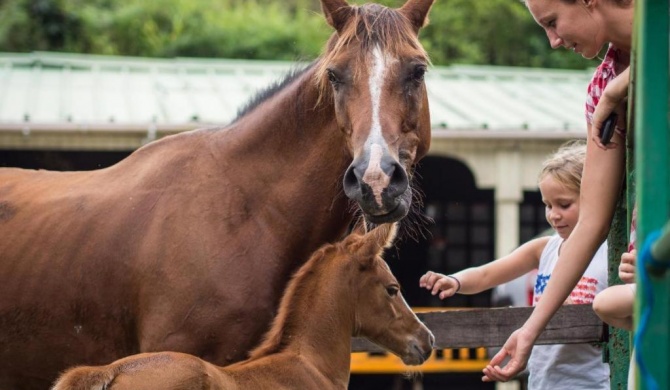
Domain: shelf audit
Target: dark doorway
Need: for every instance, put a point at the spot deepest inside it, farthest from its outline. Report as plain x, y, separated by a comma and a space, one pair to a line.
60, 160
532, 217
461, 235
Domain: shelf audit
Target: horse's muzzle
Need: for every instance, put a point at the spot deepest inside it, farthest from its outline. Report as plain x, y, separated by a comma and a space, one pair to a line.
382, 192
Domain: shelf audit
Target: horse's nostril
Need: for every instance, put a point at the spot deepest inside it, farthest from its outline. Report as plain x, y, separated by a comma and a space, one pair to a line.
398, 174
350, 179
399, 181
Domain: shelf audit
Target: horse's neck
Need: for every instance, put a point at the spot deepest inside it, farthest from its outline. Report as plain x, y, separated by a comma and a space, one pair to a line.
291, 151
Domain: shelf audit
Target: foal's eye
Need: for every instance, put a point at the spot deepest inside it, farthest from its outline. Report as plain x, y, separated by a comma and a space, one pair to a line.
392, 291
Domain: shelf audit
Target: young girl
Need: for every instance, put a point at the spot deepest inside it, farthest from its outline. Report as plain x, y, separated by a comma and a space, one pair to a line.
571, 366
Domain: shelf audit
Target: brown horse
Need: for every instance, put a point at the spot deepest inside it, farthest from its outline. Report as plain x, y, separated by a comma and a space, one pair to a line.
187, 244
345, 289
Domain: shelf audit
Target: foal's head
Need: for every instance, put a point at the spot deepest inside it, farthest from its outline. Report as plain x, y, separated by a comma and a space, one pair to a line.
373, 71
347, 289
381, 313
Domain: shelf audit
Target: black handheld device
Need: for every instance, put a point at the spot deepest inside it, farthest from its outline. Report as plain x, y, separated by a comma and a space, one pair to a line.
608, 129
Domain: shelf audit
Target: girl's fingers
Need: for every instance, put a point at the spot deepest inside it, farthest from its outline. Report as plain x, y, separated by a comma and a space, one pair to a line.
446, 293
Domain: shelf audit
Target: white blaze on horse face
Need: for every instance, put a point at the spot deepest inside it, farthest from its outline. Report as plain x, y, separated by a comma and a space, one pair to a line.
375, 145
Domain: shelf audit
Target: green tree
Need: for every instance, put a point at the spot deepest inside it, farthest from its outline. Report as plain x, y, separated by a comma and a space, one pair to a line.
492, 32
37, 24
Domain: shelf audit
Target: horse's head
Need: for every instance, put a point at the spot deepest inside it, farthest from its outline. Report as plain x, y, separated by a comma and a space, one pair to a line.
381, 313
373, 69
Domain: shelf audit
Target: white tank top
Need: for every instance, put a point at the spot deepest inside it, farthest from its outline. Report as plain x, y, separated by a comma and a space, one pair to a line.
569, 366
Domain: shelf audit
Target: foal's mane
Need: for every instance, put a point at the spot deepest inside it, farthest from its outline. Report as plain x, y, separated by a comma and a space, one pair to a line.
300, 287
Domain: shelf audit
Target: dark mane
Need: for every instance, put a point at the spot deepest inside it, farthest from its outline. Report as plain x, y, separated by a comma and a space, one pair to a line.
271, 90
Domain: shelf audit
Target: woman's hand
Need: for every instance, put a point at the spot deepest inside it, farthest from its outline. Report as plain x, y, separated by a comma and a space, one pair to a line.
518, 347
627, 267
438, 283
612, 100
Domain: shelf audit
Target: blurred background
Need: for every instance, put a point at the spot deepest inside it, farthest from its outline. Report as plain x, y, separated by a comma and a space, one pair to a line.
491, 32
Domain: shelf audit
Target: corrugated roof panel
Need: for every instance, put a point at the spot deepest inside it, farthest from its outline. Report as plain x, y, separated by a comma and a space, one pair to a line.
112, 97
86, 95
53, 88
17, 89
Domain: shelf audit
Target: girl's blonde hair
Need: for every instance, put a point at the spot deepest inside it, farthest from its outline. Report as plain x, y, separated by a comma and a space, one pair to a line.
566, 165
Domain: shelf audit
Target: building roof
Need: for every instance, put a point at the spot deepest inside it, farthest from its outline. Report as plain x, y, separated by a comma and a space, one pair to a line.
55, 91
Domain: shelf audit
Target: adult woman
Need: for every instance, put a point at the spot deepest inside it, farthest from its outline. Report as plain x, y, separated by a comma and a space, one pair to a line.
583, 26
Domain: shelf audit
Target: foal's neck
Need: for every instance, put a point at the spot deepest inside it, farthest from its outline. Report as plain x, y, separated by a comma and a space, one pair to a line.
317, 323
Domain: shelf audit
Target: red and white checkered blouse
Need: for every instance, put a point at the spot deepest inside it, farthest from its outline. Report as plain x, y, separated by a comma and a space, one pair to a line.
605, 72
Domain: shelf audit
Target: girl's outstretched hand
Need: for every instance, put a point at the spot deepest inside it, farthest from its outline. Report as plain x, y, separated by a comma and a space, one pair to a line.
440, 284
518, 348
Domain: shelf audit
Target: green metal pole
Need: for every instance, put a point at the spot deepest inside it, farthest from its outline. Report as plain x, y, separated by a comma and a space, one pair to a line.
652, 147
617, 349
661, 249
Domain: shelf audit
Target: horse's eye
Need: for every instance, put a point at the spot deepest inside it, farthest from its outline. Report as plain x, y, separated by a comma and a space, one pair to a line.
392, 291
418, 73
332, 77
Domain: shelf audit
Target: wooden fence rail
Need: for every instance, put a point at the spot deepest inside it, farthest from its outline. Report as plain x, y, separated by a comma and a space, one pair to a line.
490, 327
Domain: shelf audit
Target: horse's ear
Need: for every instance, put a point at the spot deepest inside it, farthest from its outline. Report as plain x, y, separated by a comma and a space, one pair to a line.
337, 13
417, 12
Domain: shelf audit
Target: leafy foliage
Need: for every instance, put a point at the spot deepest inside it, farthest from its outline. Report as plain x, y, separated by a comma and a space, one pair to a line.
495, 32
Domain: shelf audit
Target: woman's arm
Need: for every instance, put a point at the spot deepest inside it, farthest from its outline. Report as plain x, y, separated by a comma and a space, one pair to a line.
477, 279
601, 183
612, 100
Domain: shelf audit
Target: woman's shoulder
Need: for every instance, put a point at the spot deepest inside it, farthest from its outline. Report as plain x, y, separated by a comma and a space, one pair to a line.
603, 74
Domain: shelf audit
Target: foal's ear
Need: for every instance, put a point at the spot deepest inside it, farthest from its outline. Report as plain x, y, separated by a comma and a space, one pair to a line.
337, 13
379, 238
417, 12
360, 228
386, 234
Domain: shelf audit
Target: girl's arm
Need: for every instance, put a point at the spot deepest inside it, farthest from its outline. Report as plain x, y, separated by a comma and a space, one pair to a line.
477, 279
601, 183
